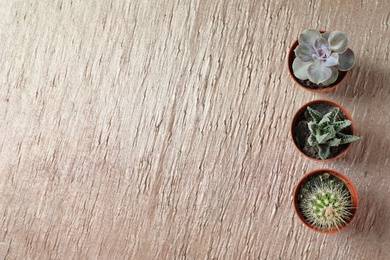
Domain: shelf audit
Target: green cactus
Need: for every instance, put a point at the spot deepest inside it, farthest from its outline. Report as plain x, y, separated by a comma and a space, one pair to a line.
326, 203
325, 131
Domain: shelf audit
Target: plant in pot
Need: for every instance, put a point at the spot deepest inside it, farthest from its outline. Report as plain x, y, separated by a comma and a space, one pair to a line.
322, 130
325, 200
318, 61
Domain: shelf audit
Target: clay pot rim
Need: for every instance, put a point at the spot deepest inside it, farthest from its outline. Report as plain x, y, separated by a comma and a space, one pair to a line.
303, 108
351, 189
290, 59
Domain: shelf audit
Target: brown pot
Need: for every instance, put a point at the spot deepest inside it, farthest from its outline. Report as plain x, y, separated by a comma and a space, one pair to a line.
341, 150
351, 189
290, 58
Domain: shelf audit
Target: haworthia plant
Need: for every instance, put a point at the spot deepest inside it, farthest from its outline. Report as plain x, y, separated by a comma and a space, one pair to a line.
326, 205
325, 131
320, 57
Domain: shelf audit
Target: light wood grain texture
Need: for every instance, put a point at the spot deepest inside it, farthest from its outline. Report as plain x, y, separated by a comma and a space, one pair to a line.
160, 129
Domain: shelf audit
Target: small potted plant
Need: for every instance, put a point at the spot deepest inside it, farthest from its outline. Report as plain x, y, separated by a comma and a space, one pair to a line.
322, 130
318, 61
325, 200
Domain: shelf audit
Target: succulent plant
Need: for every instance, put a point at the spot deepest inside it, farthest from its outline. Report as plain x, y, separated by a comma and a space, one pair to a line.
325, 131
326, 203
320, 57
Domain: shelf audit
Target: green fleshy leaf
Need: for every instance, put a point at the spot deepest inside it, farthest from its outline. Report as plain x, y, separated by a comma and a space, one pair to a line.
334, 112
341, 125
324, 121
338, 41
334, 142
300, 69
346, 139
331, 115
318, 73
304, 52
320, 43
327, 133
333, 78
325, 35
346, 60
316, 115
308, 36
312, 140
323, 138
331, 132
313, 127
323, 151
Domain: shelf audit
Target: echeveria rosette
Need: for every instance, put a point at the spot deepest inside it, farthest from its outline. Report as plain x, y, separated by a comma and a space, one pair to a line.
320, 57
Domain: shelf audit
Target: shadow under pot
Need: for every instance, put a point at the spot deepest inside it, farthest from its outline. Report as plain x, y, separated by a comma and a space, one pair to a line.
325, 201
306, 83
322, 130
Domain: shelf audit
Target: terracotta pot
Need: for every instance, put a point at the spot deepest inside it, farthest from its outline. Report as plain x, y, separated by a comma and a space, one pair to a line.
290, 59
351, 189
294, 132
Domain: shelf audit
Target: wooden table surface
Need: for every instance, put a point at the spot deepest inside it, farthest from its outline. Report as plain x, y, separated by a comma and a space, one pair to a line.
160, 129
